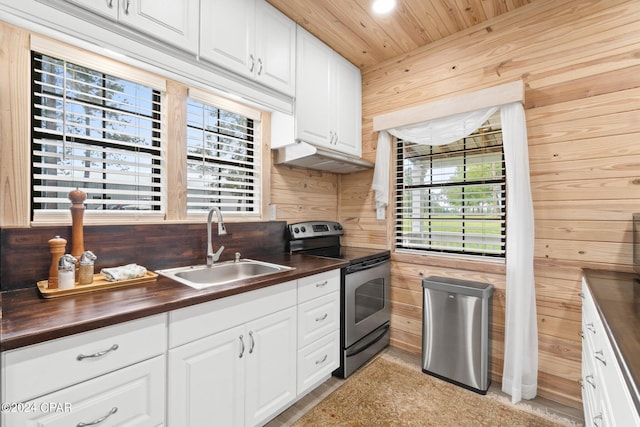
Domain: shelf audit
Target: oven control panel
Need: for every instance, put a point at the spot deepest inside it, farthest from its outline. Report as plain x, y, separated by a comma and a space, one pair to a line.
309, 229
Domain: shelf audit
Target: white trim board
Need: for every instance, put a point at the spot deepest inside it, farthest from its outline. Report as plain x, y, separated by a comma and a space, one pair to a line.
484, 98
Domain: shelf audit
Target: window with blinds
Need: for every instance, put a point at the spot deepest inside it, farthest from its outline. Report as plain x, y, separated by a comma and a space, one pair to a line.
451, 198
96, 132
223, 159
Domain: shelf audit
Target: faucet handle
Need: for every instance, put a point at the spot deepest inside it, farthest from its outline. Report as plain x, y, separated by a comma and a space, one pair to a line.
216, 256
237, 257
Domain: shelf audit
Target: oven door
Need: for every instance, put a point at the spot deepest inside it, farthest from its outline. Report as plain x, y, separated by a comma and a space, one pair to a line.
366, 300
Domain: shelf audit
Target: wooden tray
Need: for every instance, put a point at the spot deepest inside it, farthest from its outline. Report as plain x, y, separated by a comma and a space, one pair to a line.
99, 282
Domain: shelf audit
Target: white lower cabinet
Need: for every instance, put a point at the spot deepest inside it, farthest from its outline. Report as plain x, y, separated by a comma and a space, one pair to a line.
606, 397
242, 375
110, 376
235, 361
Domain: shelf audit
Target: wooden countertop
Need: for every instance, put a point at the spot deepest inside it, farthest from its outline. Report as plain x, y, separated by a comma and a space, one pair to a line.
29, 319
617, 298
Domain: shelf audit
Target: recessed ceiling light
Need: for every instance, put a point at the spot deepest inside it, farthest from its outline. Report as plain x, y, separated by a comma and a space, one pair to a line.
383, 6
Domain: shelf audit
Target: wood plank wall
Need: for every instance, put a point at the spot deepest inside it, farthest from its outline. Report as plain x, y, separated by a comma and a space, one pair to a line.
580, 61
303, 194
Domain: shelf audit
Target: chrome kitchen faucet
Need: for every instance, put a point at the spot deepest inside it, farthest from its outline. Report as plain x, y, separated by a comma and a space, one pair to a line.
211, 256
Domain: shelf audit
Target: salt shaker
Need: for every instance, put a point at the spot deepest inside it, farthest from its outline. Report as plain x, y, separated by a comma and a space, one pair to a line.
85, 271
67, 272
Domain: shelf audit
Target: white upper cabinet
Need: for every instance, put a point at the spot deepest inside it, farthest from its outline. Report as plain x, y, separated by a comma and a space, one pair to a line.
250, 38
171, 21
348, 107
108, 8
328, 98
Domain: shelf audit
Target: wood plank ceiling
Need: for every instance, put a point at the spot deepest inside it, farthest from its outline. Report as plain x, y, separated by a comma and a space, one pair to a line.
366, 39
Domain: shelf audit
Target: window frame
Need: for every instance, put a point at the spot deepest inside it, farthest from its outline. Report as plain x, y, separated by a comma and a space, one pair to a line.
175, 92
143, 118
396, 235
258, 146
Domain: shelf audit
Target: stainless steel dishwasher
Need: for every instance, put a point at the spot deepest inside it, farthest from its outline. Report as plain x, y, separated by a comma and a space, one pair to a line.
455, 331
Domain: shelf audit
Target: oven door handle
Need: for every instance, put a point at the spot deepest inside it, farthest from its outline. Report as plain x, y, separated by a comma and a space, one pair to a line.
365, 345
366, 265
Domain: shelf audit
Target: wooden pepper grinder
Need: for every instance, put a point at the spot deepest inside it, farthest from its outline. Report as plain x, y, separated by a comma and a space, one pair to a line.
56, 247
77, 198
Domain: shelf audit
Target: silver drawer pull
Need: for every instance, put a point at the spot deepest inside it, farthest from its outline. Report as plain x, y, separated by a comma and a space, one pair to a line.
253, 342
321, 318
600, 356
242, 346
321, 360
98, 354
581, 333
589, 379
99, 420
581, 294
321, 285
591, 328
597, 420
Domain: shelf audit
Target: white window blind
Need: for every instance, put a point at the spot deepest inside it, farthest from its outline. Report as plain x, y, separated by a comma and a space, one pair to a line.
223, 160
451, 198
96, 132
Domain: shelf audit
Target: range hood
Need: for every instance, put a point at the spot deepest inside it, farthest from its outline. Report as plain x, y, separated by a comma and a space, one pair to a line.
309, 156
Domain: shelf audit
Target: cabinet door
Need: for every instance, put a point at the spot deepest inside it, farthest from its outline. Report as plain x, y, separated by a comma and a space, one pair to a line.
131, 396
172, 21
206, 380
108, 8
228, 34
313, 106
275, 49
270, 366
347, 92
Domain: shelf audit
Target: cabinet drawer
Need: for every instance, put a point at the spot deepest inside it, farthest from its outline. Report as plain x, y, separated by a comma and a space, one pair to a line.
42, 368
618, 397
317, 361
317, 285
132, 396
317, 318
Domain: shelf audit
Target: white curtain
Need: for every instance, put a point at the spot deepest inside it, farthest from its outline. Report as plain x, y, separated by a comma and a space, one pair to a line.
520, 368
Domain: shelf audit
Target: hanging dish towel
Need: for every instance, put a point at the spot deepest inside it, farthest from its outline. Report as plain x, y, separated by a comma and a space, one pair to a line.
129, 271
